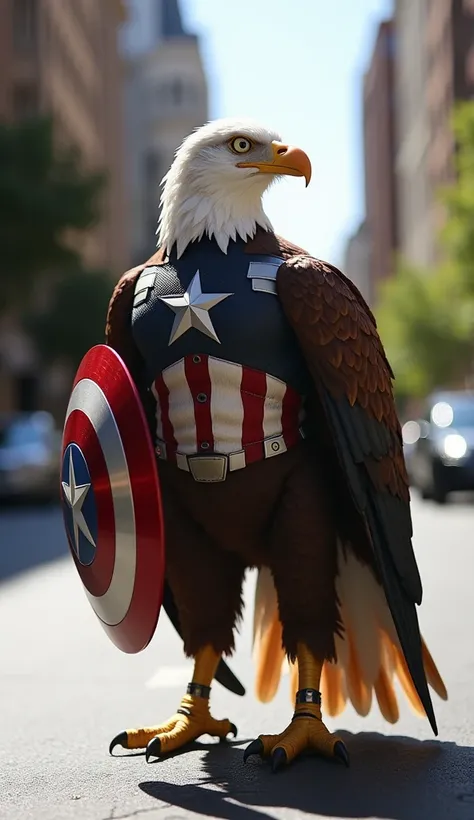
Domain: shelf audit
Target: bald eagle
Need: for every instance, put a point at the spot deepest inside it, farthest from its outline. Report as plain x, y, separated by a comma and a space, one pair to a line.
269, 399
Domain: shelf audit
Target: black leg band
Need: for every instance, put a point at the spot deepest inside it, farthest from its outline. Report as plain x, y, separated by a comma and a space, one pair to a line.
304, 715
308, 696
199, 690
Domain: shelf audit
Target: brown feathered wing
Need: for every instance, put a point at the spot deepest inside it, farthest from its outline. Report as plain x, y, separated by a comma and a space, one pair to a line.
354, 424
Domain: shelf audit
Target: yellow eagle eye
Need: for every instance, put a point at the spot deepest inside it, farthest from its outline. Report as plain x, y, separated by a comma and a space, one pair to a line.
240, 145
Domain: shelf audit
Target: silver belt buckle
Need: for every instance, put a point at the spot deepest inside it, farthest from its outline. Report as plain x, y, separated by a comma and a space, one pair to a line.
208, 469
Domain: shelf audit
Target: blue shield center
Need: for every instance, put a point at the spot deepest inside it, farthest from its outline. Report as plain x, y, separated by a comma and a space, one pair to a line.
80, 510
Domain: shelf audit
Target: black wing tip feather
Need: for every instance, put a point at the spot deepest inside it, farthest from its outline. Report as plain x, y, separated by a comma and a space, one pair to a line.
405, 618
226, 678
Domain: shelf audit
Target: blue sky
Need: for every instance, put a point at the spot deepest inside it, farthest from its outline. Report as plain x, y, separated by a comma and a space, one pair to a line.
297, 66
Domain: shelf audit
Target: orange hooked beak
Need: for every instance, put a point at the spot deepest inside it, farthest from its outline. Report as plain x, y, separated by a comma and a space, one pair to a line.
286, 160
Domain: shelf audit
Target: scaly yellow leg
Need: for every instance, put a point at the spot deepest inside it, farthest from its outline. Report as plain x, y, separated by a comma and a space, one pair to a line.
191, 720
306, 730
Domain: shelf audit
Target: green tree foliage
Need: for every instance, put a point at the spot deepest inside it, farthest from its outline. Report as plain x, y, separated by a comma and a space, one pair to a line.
426, 318
426, 326
74, 320
458, 234
44, 194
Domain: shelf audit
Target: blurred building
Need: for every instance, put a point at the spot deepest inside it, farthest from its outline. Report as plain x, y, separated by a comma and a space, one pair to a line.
380, 231
165, 99
450, 60
357, 260
143, 27
434, 68
61, 57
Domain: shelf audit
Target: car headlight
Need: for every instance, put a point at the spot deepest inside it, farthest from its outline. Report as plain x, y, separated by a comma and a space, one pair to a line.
455, 446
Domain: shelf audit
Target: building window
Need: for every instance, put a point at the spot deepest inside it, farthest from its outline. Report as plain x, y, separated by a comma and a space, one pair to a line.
25, 101
25, 26
176, 93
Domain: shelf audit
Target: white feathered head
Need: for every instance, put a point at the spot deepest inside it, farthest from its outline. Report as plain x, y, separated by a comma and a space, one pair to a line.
216, 182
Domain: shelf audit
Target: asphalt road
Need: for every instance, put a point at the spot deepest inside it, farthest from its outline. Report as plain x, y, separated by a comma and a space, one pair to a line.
65, 691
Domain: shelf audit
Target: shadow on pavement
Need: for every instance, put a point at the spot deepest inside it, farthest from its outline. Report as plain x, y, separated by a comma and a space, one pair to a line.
390, 777
30, 536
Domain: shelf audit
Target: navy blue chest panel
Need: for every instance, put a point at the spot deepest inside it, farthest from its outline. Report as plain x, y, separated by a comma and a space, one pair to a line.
222, 305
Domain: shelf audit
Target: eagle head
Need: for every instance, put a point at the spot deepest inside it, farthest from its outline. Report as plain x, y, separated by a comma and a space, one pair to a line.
215, 184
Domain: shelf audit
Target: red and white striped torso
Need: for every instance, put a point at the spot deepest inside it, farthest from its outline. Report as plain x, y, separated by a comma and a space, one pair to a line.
206, 404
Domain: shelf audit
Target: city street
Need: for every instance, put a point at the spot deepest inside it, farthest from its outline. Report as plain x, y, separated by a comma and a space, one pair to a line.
65, 691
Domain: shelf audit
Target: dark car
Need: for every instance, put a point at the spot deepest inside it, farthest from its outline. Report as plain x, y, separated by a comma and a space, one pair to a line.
439, 448
29, 457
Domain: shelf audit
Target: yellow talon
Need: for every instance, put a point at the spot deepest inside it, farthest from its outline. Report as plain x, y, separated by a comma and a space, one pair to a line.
306, 731
303, 734
185, 726
192, 719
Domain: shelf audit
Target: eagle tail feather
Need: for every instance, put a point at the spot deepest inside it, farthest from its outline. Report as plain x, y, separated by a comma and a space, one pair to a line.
386, 696
333, 689
432, 674
268, 652
369, 657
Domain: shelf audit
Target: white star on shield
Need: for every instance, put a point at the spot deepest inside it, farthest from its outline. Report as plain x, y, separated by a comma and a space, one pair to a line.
75, 496
192, 310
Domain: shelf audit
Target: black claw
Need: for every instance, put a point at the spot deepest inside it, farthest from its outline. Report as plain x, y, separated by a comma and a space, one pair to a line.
279, 759
153, 749
255, 748
341, 753
233, 730
119, 740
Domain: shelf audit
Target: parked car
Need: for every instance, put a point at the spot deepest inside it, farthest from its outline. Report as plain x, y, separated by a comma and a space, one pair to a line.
29, 457
439, 447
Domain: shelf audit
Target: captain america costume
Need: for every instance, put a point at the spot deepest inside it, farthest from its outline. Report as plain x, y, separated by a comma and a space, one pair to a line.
230, 389
214, 338
220, 359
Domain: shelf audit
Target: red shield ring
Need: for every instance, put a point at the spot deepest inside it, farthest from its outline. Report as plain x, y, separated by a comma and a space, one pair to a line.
111, 500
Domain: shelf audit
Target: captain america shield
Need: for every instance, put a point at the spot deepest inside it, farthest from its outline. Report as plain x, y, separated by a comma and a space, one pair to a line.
111, 500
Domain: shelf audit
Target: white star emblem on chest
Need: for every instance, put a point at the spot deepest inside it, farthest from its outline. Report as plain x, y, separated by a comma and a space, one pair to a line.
192, 310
